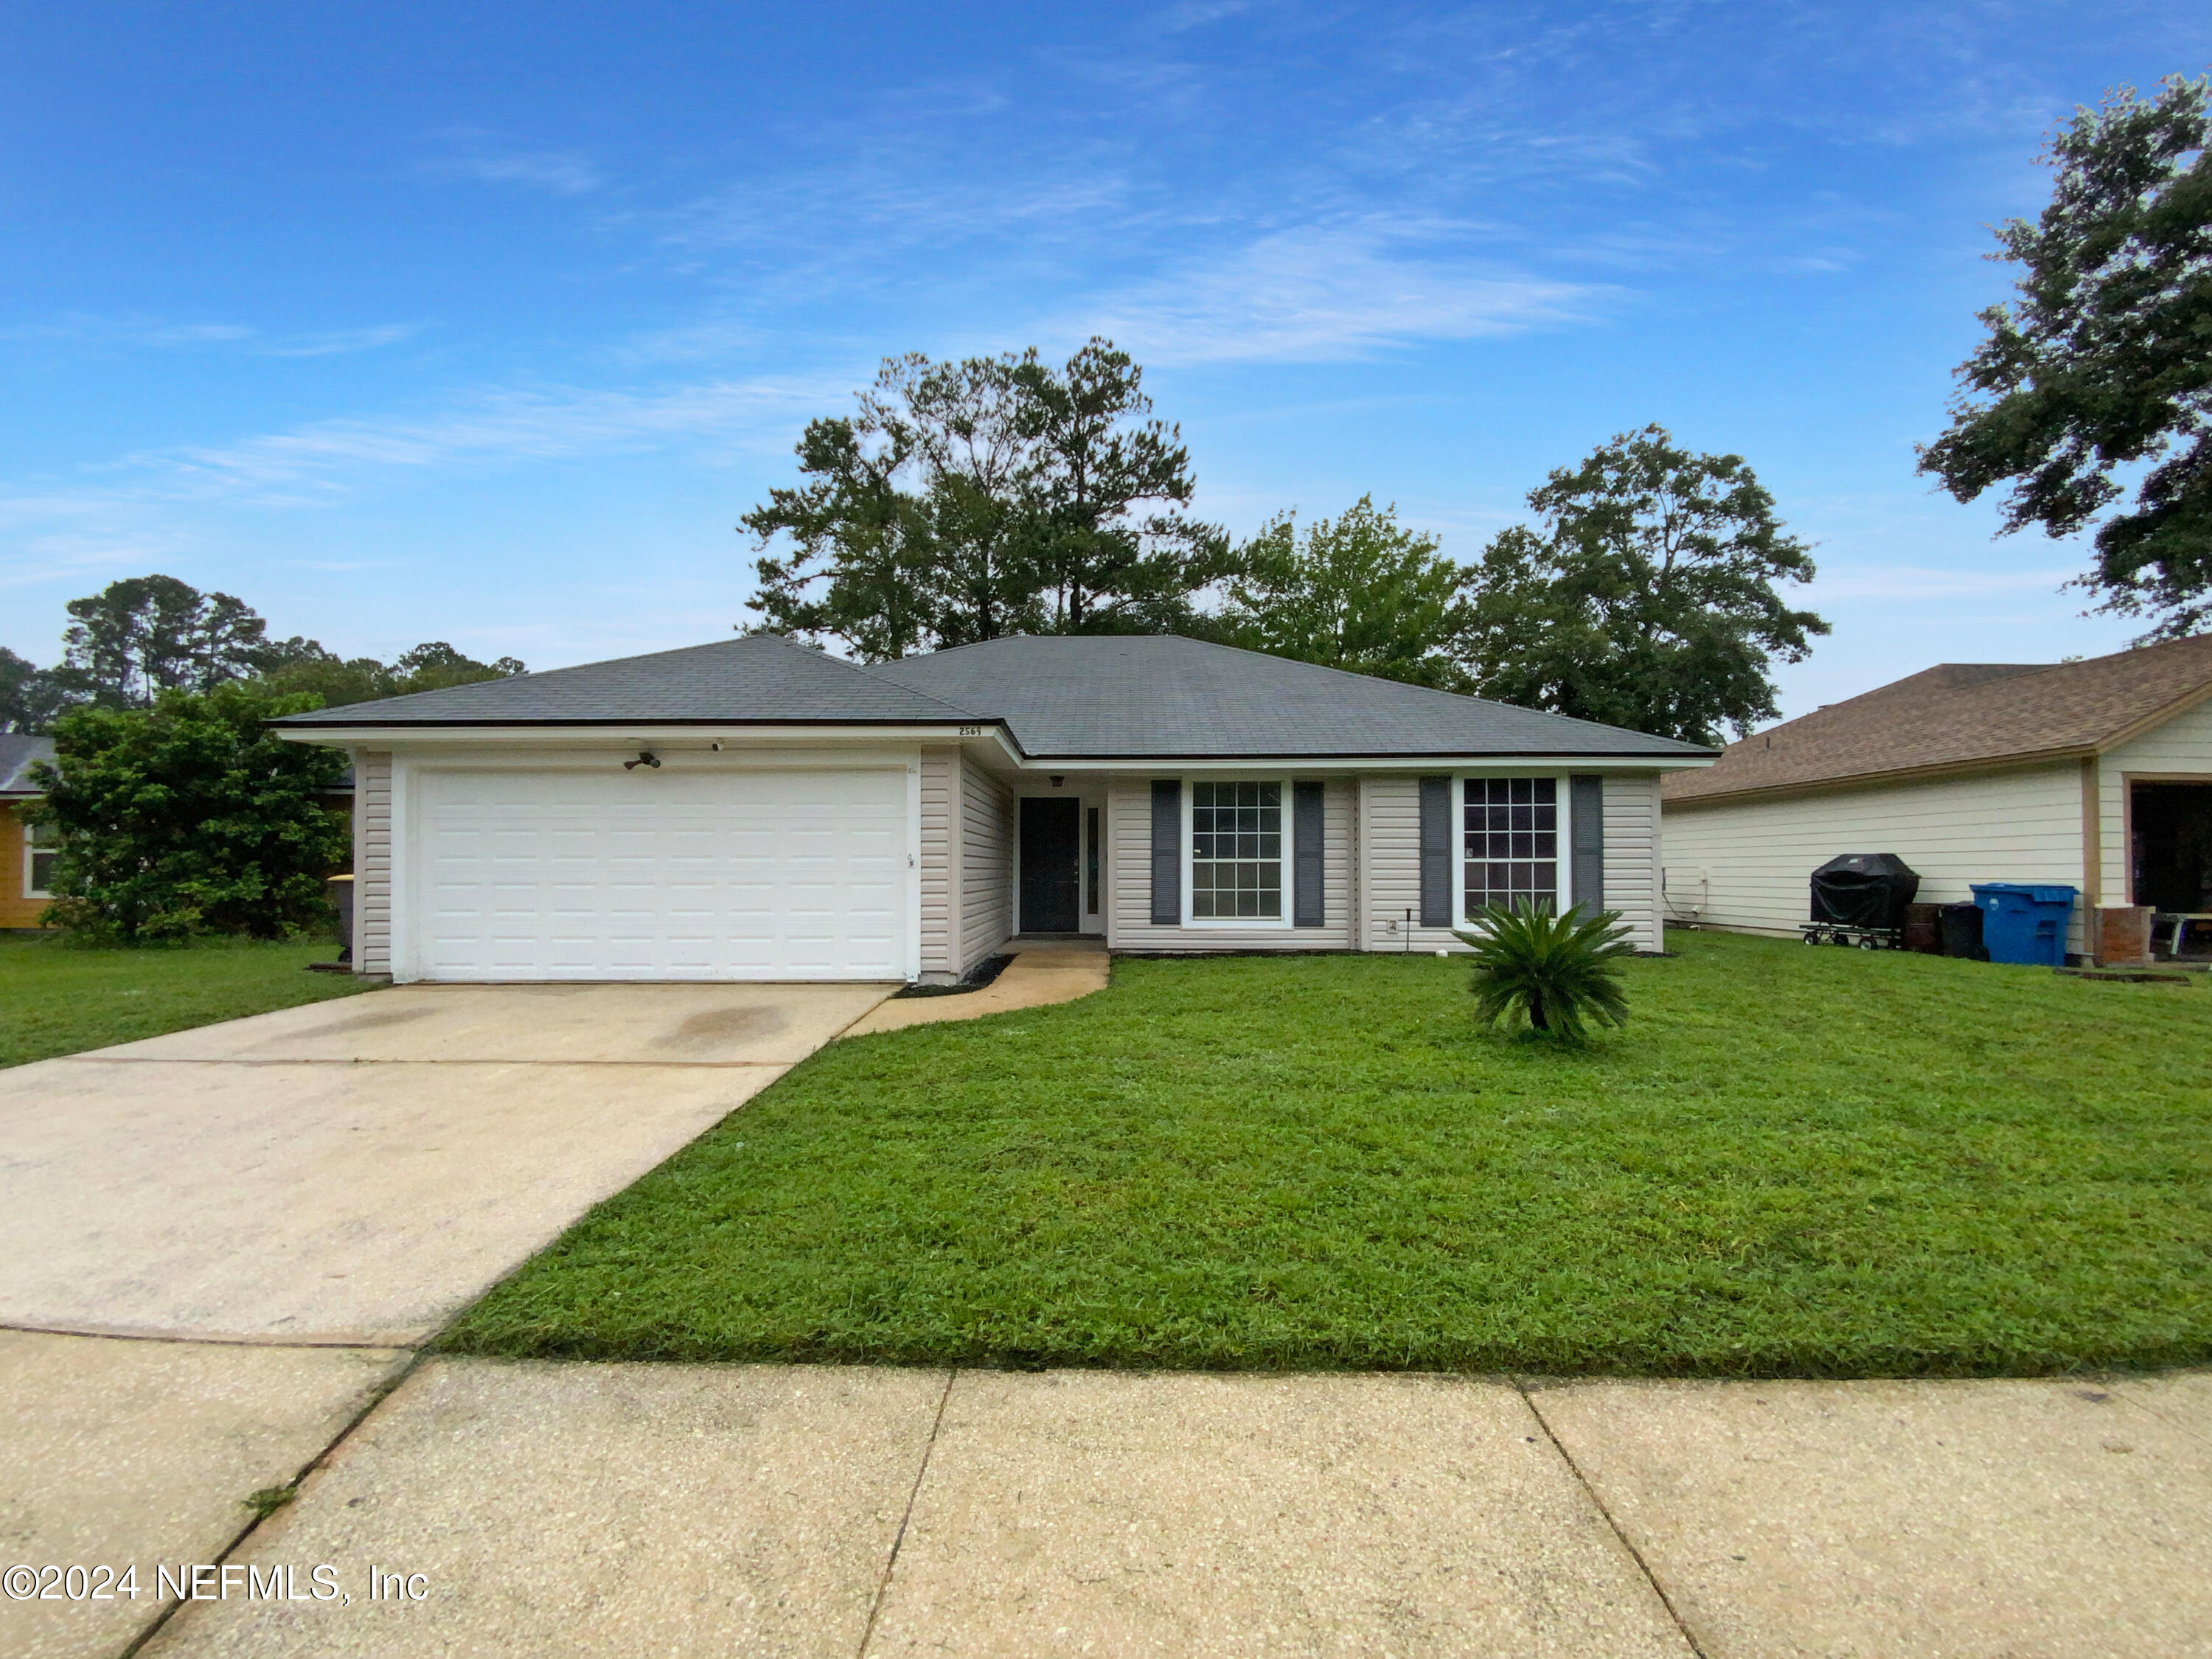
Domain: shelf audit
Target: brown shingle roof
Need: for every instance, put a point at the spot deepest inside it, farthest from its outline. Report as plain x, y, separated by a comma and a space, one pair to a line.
1960, 714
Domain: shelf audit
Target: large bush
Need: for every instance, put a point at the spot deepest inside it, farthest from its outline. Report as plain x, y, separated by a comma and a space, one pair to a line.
191, 817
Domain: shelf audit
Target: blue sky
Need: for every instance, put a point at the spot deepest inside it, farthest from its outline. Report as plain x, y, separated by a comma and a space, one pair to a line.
485, 323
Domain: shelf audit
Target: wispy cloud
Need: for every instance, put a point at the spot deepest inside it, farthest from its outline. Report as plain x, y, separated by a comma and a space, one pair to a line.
325, 458
1328, 292
563, 173
84, 328
340, 341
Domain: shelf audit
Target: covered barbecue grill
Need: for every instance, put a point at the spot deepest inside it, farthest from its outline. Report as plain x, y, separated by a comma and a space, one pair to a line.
1860, 898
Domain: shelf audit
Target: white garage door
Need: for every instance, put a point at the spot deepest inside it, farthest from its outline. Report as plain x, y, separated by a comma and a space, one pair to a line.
607, 874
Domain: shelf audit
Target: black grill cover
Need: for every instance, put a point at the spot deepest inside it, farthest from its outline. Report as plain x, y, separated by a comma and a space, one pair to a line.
1863, 890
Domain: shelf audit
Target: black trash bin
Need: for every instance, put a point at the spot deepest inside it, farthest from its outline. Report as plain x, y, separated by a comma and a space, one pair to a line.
1961, 926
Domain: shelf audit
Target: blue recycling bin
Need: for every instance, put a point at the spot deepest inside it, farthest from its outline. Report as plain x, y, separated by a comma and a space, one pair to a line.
2024, 921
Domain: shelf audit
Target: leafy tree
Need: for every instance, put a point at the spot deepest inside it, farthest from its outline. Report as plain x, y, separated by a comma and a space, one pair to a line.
965, 501
903, 531
146, 635
2104, 361
31, 697
1648, 599
190, 817
1360, 592
299, 665
1560, 972
434, 666
1110, 551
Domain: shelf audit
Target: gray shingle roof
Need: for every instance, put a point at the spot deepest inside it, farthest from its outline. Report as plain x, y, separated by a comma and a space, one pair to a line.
1148, 697
17, 751
1154, 696
756, 679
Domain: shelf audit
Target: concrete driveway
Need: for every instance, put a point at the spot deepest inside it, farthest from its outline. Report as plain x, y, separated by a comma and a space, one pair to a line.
356, 1172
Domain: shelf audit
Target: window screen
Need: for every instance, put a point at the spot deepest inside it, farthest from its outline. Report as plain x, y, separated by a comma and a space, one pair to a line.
1513, 842
1236, 850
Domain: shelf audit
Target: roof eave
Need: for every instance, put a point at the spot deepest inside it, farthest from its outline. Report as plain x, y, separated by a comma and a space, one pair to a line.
1900, 775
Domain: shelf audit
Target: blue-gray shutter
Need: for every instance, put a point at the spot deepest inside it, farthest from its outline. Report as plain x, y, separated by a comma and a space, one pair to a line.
1586, 815
1436, 853
1167, 853
1306, 909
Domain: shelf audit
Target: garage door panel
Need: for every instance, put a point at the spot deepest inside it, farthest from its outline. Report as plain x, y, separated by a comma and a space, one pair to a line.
668, 875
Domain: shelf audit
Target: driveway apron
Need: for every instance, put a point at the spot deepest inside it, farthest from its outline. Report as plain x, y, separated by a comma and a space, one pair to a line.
279, 1209
356, 1172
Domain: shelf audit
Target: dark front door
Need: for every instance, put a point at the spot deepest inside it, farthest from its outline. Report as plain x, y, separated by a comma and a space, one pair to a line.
1052, 848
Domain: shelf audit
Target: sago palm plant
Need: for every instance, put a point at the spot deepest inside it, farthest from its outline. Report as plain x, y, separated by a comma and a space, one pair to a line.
1562, 972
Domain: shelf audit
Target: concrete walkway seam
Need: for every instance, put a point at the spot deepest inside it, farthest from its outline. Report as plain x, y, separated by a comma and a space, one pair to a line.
639, 1065
190, 1339
376, 1398
1626, 1543
913, 1497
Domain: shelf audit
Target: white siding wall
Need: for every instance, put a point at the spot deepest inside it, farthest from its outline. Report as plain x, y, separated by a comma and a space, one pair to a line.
1992, 826
2180, 748
940, 769
1632, 855
372, 861
1128, 876
985, 839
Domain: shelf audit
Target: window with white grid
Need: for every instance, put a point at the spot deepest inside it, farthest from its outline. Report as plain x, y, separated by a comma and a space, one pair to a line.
41, 847
1510, 843
1236, 851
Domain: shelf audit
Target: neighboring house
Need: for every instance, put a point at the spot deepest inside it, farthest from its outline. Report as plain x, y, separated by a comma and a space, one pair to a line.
25, 855
2097, 774
756, 810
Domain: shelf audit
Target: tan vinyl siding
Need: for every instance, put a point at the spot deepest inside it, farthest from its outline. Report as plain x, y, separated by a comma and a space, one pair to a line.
2182, 748
372, 862
1130, 880
1756, 857
940, 771
1632, 855
985, 864
1390, 841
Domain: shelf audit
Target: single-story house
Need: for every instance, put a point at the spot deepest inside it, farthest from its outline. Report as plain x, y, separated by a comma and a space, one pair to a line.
757, 810
2097, 774
26, 855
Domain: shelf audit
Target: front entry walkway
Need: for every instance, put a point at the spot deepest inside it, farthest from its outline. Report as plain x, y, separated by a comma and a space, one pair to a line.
1042, 971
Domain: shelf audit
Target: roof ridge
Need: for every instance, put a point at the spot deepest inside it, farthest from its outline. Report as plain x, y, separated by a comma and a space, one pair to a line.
1454, 698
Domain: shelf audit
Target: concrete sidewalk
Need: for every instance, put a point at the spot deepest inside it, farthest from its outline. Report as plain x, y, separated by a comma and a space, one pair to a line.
620, 1510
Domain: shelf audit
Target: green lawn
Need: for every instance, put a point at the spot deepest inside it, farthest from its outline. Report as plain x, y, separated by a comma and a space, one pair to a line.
1792, 1161
57, 998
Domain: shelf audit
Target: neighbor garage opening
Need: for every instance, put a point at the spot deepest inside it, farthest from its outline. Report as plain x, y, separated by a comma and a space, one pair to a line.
2170, 829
